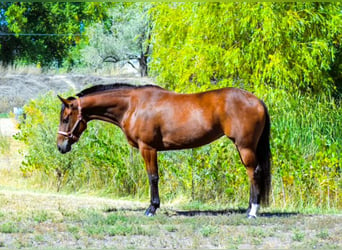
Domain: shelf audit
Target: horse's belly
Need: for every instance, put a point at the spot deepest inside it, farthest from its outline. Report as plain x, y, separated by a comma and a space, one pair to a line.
189, 139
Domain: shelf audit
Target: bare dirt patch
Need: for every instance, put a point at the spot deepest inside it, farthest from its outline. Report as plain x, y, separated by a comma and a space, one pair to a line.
8, 127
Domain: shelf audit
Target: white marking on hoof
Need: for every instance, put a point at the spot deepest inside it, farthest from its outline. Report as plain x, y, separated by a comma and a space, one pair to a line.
254, 210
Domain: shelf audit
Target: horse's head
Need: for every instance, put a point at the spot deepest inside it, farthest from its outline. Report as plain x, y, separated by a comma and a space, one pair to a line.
71, 124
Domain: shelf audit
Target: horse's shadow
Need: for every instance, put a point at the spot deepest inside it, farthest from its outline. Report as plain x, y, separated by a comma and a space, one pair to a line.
228, 212
191, 213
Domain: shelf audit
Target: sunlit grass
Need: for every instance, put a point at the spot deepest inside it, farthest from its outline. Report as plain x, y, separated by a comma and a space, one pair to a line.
94, 226
4, 144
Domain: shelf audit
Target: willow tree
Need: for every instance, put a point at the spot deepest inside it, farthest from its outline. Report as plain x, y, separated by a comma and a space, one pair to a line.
286, 45
124, 40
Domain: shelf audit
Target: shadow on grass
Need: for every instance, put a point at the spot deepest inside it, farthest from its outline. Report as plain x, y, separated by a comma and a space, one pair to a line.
113, 209
230, 212
191, 213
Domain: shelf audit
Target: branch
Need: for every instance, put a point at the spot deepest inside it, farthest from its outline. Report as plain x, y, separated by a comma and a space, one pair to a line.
130, 57
112, 59
129, 62
115, 59
148, 45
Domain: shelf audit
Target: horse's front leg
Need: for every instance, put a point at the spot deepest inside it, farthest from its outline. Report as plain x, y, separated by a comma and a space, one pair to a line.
150, 158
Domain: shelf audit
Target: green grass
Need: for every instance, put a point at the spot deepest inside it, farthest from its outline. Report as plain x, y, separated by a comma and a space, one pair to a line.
323, 234
4, 115
298, 235
4, 144
209, 230
40, 216
9, 228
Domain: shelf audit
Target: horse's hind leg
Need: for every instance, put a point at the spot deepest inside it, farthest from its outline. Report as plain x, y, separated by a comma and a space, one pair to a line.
248, 158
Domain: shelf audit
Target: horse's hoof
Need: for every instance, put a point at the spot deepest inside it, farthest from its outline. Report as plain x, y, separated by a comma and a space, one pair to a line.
251, 216
151, 211
149, 214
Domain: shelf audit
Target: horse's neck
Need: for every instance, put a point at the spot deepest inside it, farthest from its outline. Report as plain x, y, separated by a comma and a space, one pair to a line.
106, 107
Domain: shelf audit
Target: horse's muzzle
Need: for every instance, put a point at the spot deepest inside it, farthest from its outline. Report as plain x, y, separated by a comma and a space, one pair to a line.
64, 147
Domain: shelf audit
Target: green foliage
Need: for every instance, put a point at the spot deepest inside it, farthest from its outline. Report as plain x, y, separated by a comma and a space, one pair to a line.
43, 18
58, 25
285, 45
306, 148
82, 34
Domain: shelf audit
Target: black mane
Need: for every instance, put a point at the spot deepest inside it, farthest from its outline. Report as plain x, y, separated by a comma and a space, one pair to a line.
114, 86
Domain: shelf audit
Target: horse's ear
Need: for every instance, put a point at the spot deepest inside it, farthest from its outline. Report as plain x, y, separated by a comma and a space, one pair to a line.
64, 101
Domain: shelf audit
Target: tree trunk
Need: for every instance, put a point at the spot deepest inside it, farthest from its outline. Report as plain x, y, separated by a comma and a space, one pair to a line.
143, 65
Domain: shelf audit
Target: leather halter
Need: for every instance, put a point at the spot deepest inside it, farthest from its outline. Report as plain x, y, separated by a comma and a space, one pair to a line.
80, 119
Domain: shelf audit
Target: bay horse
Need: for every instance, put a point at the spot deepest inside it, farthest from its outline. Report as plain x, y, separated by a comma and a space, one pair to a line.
155, 119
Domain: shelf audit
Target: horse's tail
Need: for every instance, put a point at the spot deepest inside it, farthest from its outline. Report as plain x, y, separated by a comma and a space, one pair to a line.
264, 159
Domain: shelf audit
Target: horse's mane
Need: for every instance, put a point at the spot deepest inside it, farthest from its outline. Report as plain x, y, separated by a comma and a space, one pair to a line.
114, 86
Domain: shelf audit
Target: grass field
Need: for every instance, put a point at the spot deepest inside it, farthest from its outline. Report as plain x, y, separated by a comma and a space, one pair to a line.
31, 219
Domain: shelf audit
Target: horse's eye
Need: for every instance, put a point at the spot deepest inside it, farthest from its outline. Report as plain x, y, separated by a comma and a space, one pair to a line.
66, 120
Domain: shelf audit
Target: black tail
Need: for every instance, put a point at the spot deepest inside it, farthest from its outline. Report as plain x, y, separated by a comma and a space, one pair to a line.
264, 160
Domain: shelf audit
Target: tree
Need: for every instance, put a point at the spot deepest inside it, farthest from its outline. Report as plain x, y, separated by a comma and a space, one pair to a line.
46, 31
126, 39
7, 43
286, 45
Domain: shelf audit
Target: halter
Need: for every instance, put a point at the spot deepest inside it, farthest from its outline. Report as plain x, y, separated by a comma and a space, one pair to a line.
80, 119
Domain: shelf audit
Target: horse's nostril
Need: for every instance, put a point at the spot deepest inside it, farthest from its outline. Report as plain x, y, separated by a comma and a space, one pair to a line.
64, 147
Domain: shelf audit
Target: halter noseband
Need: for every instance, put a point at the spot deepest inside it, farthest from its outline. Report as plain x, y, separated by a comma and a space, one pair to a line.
80, 119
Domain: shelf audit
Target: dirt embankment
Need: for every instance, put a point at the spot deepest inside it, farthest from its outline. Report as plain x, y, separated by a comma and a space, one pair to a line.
17, 89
